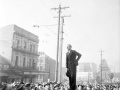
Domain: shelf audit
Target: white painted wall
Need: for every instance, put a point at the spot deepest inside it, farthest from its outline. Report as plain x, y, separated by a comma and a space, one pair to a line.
6, 36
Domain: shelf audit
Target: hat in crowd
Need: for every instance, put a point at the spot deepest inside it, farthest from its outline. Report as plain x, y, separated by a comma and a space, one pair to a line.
32, 86
51, 82
82, 86
22, 82
57, 85
20, 86
46, 84
40, 84
27, 85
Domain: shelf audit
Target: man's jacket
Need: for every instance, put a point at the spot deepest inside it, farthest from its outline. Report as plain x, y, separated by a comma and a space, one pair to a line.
72, 58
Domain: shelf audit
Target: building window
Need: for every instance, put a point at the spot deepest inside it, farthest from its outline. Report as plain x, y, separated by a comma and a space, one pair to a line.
34, 48
18, 43
25, 45
24, 60
41, 61
41, 68
16, 61
29, 62
6, 67
34, 64
30, 47
0, 67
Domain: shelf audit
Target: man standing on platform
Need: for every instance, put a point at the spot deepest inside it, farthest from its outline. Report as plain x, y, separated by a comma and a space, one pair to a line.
72, 58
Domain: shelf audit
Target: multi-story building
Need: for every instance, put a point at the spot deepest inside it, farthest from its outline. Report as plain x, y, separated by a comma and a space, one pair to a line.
5, 68
46, 66
21, 48
87, 71
87, 67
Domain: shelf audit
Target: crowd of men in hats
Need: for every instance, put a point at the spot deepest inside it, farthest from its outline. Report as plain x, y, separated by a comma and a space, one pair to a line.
54, 86
31, 86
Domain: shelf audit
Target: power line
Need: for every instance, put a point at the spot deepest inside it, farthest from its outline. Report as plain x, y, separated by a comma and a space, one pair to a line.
51, 30
46, 26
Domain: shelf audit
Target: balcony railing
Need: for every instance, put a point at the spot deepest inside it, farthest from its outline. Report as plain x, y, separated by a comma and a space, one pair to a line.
25, 50
24, 68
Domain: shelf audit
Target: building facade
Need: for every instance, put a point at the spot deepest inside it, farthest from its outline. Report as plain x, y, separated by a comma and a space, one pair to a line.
46, 66
87, 72
22, 51
5, 68
87, 67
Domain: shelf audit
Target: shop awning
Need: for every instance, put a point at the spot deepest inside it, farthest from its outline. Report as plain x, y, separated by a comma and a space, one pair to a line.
14, 76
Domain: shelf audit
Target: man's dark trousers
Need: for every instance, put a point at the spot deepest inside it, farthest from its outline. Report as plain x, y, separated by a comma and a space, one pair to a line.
72, 76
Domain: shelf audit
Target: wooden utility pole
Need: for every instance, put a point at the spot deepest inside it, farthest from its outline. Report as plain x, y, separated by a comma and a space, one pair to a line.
59, 16
61, 47
101, 66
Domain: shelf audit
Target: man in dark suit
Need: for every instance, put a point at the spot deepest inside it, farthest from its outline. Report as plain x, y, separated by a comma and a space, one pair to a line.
72, 58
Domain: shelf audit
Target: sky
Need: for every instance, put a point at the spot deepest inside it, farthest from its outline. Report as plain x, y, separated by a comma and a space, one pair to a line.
94, 25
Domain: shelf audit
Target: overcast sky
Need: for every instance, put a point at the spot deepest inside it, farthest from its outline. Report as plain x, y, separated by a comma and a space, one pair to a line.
94, 25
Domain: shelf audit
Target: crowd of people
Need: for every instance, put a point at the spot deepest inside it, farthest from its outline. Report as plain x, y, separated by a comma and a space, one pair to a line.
55, 86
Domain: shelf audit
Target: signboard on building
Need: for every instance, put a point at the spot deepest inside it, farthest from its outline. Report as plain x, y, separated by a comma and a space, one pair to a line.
3, 74
34, 73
